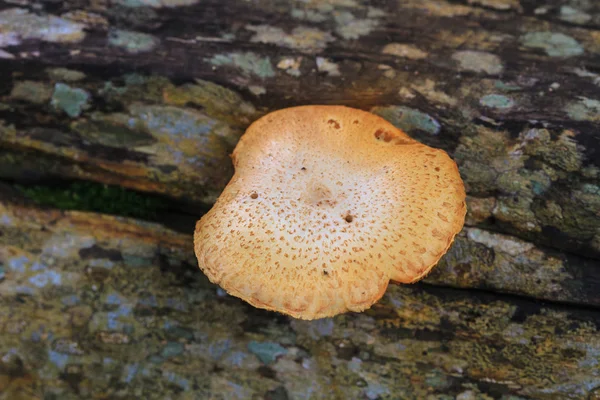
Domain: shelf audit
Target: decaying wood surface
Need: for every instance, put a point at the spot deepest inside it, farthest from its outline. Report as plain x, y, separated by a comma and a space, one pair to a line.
101, 307
152, 95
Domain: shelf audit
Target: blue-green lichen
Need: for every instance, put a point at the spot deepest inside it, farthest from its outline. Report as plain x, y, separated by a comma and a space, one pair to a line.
132, 42
573, 15
409, 119
172, 349
18, 24
70, 100
496, 101
267, 352
555, 44
249, 63
507, 87
584, 110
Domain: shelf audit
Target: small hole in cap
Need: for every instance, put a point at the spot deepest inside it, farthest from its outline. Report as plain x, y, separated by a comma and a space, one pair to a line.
381, 134
254, 196
349, 218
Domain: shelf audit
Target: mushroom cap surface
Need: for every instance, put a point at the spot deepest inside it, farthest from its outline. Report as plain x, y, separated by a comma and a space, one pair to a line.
326, 206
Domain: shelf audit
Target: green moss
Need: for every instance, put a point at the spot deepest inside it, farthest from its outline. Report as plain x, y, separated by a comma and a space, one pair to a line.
96, 197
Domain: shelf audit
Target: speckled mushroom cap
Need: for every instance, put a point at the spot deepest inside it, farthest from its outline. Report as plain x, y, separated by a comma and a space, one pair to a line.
326, 206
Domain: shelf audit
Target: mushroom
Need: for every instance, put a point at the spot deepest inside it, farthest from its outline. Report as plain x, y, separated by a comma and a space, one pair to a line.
328, 204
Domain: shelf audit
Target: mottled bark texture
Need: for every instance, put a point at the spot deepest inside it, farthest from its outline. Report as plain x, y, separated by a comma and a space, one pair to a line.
152, 96
94, 306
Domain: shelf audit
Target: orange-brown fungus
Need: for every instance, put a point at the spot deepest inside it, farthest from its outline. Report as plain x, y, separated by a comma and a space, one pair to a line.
327, 205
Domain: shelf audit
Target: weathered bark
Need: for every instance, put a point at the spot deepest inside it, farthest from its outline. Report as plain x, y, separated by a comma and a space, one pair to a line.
153, 96
508, 89
93, 306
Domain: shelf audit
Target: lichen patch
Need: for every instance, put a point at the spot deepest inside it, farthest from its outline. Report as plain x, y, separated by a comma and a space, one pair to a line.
249, 63
132, 42
18, 24
404, 50
305, 39
70, 100
156, 3
478, 61
554, 44
327, 66
290, 65
351, 27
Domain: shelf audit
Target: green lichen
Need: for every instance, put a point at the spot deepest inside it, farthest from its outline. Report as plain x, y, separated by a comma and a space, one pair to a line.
408, 119
156, 3
573, 15
189, 133
249, 63
308, 15
132, 42
32, 92
89, 196
528, 184
496, 101
134, 87
168, 139
65, 74
112, 130
584, 110
351, 27
70, 100
159, 329
478, 61
507, 87
18, 24
553, 43
267, 352
216, 100
306, 39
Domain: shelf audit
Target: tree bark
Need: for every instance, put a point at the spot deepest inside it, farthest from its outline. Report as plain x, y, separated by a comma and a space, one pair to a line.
95, 306
152, 96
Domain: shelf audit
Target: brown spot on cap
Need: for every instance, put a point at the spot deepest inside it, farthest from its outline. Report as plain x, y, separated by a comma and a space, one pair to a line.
296, 178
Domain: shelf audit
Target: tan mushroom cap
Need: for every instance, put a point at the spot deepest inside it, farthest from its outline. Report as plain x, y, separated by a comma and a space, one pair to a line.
327, 205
